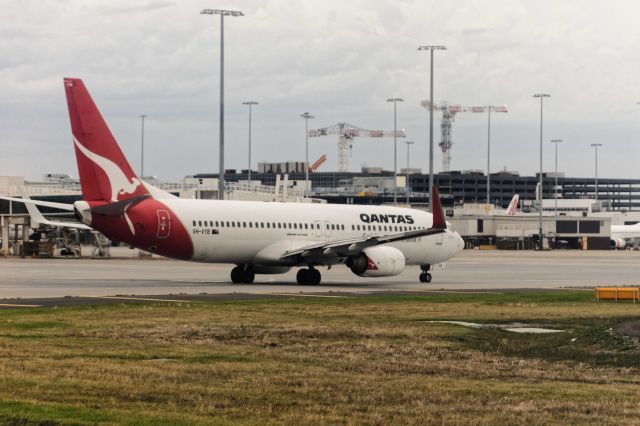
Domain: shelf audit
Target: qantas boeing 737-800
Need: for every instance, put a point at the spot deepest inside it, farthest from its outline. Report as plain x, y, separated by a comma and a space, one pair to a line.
258, 237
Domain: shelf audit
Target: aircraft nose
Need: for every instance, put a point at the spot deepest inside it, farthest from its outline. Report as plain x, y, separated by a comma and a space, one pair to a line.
459, 243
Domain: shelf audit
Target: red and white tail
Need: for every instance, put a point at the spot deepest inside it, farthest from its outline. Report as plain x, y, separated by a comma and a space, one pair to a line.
105, 173
513, 205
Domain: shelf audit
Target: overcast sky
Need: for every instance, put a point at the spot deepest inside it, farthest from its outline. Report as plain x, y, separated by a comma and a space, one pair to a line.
338, 60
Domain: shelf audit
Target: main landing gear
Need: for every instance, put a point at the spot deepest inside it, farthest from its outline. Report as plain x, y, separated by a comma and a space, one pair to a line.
309, 276
242, 274
425, 276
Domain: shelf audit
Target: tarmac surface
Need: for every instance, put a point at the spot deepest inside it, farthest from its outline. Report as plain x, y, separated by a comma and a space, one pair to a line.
45, 282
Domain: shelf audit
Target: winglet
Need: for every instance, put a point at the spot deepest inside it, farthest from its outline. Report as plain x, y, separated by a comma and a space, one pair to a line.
36, 215
439, 221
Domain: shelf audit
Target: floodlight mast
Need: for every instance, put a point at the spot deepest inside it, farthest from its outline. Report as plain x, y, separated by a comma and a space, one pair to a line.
596, 145
142, 117
406, 185
306, 117
541, 96
395, 148
431, 48
222, 14
250, 104
555, 188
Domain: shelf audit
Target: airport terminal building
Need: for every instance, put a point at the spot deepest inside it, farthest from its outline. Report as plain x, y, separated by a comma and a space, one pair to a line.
455, 187
575, 221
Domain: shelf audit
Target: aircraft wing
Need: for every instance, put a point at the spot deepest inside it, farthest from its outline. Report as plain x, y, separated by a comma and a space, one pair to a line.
60, 206
348, 247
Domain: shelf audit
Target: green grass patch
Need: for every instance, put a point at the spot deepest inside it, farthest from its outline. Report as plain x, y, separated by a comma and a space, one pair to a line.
322, 360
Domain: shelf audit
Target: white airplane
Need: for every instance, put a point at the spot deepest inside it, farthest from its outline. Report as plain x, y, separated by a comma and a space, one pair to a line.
258, 237
623, 235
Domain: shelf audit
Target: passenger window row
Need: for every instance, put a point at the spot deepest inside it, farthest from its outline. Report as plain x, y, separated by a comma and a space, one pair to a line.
269, 225
289, 225
395, 228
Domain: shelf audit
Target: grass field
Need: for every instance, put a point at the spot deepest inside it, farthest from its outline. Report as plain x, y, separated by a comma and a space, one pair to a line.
373, 360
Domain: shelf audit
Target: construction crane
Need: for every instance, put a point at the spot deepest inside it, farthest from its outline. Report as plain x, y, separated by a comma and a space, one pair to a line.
346, 133
319, 162
448, 117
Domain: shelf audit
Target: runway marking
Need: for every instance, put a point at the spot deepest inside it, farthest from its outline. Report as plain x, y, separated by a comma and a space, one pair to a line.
144, 299
307, 295
17, 305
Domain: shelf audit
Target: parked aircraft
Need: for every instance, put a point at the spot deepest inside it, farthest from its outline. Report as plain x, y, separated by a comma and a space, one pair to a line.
258, 237
624, 235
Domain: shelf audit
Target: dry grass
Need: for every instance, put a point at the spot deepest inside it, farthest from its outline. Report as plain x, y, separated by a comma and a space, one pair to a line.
350, 361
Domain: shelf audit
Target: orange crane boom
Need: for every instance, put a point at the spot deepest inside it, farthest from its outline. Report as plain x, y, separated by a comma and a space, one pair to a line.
319, 162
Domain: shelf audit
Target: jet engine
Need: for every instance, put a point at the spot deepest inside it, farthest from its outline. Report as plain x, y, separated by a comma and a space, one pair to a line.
378, 261
618, 243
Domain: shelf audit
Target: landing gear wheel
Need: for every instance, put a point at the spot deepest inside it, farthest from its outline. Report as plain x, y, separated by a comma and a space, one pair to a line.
237, 275
302, 277
315, 276
248, 276
425, 277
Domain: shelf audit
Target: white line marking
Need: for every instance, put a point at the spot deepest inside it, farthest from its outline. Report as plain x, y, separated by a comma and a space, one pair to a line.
306, 295
17, 305
144, 299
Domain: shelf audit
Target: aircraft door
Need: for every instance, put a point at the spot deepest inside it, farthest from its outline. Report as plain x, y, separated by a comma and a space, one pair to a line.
164, 224
318, 228
439, 238
327, 228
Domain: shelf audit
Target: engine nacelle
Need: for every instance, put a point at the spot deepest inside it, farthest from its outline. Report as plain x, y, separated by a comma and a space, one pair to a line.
618, 243
378, 261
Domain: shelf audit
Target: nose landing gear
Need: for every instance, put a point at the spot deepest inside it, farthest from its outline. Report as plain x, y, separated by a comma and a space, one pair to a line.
425, 276
309, 276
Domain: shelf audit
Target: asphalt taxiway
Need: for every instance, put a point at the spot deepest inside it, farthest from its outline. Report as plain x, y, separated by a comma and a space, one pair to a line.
123, 278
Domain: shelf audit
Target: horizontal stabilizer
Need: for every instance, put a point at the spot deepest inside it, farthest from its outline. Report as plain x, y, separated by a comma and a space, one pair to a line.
119, 208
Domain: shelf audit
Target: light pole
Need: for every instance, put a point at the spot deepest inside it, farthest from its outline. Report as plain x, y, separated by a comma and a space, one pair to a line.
142, 117
409, 143
555, 189
306, 117
222, 14
489, 108
596, 145
395, 148
250, 103
541, 96
431, 48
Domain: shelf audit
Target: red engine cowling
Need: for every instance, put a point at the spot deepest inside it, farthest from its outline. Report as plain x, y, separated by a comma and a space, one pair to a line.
378, 261
618, 243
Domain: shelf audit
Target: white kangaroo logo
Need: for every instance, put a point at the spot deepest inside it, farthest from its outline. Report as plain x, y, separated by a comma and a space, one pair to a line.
118, 181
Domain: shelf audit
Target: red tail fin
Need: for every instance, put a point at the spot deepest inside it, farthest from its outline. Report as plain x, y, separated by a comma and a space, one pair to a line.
439, 221
104, 171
